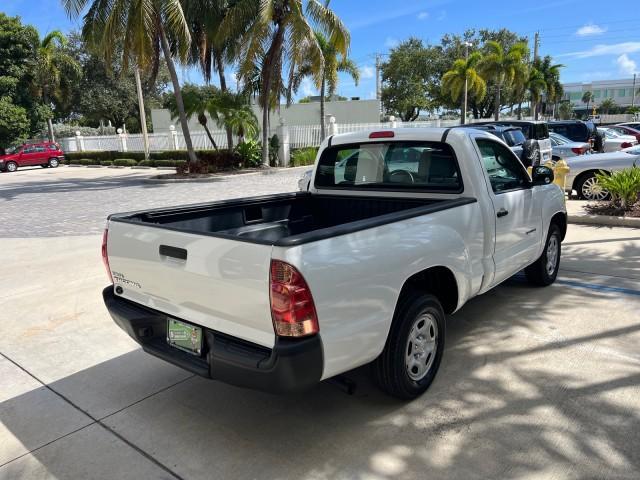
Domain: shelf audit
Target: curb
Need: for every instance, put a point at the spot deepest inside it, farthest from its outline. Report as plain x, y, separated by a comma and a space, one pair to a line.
604, 221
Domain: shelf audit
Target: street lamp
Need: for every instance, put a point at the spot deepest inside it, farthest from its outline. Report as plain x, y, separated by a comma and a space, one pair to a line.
463, 120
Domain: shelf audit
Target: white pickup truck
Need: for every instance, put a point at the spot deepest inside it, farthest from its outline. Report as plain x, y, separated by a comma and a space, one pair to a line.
398, 228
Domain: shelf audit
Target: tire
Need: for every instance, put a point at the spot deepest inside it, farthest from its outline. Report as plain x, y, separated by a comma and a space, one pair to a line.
10, 167
54, 162
543, 272
418, 327
588, 189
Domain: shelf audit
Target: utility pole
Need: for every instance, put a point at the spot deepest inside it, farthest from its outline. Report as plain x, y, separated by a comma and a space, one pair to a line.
463, 120
378, 93
536, 41
143, 116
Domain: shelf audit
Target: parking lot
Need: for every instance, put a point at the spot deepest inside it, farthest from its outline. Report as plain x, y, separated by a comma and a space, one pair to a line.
535, 383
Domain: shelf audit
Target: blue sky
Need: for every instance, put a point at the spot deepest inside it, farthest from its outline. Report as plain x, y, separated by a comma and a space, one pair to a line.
593, 41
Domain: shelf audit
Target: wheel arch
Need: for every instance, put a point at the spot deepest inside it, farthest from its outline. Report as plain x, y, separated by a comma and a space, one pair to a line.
439, 281
560, 219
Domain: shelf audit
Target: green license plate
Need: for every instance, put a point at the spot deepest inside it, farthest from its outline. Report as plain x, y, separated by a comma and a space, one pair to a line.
184, 336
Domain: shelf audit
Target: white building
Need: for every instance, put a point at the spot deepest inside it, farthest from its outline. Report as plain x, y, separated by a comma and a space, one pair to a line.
345, 112
620, 91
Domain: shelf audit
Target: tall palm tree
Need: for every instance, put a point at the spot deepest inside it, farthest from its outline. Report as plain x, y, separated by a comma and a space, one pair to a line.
142, 28
535, 86
551, 75
503, 67
586, 98
51, 62
464, 71
275, 33
334, 63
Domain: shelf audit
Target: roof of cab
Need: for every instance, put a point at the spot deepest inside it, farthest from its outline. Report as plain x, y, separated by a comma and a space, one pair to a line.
429, 134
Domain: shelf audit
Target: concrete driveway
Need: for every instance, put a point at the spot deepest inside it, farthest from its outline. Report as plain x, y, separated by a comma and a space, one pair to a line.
535, 383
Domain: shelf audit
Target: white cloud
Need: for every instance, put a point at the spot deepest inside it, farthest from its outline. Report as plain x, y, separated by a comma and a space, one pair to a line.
307, 87
367, 71
590, 29
423, 15
442, 15
391, 42
612, 49
626, 65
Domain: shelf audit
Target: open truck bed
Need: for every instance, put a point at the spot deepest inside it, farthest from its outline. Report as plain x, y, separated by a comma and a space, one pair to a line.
288, 219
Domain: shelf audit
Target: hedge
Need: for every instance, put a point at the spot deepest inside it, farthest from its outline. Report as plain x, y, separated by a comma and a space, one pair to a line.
125, 162
106, 163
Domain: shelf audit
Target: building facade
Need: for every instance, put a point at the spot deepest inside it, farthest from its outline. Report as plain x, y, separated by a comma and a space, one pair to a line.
620, 91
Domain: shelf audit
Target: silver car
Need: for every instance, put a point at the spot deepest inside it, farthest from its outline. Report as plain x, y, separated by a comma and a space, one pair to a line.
562, 147
582, 175
614, 141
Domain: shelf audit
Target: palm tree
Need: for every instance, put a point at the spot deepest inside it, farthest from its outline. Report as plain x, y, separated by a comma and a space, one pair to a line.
551, 75
607, 105
334, 63
51, 62
278, 32
503, 67
239, 117
197, 101
142, 29
586, 98
464, 71
535, 86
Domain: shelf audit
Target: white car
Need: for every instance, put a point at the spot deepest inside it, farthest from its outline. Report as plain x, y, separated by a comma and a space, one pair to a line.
397, 229
563, 147
582, 175
613, 141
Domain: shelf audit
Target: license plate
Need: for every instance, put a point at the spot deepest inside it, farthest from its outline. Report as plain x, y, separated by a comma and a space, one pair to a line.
184, 336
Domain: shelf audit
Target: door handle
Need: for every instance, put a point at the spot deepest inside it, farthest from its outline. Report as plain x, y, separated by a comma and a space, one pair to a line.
175, 252
502, 213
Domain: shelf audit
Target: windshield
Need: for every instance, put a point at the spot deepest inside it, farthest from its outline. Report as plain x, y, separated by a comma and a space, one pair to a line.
559, 139
424, 166
10, 150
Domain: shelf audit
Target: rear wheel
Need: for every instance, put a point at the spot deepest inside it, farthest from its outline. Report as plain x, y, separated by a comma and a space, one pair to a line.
53, 162
411, 357
11, 166
589, 188
544, 271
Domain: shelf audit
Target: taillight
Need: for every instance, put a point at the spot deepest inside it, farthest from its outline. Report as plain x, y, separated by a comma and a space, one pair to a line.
382, 134
105, 256
292, 308
626, 145
579, 150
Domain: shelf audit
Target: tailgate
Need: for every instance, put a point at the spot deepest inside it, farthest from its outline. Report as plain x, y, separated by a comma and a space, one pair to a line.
222, 284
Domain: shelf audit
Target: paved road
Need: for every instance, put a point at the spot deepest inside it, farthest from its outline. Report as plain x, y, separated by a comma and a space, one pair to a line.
535, 383
76, 201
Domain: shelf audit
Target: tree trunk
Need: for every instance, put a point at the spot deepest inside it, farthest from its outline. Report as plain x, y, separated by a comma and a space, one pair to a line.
323, 132
52, 137
520, 110
463, 112
223, 87
496, 110
266, 76
206, 129
193, 160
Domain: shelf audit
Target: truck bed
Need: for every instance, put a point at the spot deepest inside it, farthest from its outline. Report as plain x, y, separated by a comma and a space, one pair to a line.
288, 219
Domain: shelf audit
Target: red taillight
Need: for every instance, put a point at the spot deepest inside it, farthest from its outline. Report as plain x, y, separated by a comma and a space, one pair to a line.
105, 257
579, 150
292, 308
626, 145
383, 134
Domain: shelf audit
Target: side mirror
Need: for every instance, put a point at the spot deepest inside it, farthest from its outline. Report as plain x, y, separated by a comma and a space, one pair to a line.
542, 175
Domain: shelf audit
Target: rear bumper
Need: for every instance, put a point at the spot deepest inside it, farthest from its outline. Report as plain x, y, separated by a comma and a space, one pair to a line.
292, 365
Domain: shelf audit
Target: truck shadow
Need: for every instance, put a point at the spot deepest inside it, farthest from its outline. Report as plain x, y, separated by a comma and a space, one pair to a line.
523, 390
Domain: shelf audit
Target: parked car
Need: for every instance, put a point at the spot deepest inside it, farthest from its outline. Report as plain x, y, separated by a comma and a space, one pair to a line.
582, 175
281, 291
45, 154
577, 131
563, 147
537, 147
625, 130
512, 136
614, 141
634, 125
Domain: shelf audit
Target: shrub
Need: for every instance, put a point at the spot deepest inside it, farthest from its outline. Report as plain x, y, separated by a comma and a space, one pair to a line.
250, 152
124, 162
106, 163
274, 147
146, 163
623, 185
304, 156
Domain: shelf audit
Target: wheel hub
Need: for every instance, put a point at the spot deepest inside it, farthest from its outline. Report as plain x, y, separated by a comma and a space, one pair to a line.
421, 347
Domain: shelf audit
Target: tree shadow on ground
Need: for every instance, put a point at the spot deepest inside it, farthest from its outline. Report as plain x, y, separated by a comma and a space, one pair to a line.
513, 399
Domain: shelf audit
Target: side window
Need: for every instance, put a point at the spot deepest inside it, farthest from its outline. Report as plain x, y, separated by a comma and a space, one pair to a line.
504, 169
28, 150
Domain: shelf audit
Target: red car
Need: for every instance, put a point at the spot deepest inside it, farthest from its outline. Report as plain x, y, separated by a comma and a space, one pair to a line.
626, 130
45, 154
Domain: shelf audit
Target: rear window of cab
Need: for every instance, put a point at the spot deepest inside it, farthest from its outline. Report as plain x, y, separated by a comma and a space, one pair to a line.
396, 166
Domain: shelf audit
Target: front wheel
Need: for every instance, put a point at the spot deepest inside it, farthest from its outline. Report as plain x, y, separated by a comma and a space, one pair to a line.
411, 357
544, 271
11, 167
590, 189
